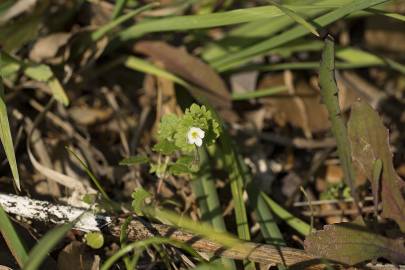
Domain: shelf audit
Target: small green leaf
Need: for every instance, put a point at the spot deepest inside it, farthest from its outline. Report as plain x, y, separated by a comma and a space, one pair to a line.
94, 240
165, 147
89, 198
38, 72
178, 169
139, 196
58, 91
134, 160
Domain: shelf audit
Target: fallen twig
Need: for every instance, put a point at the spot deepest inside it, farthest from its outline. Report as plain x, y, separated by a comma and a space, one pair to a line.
140, 229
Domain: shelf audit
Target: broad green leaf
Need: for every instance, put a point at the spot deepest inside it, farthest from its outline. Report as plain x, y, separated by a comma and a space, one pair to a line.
6, 138
13, 242
94, 240
134, 160
351, 243
45, 245
296, 17
369, 141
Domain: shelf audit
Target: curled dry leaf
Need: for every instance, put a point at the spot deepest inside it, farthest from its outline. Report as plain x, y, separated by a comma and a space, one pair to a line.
352, 243
369, 142
189, 67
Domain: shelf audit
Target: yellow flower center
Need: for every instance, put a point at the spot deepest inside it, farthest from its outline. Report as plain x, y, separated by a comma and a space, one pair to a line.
194, 134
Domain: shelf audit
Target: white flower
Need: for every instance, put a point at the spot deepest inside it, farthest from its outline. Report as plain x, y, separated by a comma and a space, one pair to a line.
195, 136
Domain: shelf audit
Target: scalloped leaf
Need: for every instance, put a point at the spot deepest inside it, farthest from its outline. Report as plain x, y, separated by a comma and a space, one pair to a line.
352, 243
370, 142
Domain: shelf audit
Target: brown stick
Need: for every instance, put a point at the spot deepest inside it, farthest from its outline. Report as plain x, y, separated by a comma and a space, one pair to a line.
261, 253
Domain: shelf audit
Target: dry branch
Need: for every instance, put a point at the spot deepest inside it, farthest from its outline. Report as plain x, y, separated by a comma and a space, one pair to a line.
140, 229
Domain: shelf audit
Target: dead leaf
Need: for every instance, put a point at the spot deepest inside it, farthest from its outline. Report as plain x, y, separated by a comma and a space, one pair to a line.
75, 256
285, 108
370, 141
90, 115
48, 49
189, 67
352, 243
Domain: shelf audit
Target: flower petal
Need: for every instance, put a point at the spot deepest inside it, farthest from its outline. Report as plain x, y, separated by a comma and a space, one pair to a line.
198, 142
200, 133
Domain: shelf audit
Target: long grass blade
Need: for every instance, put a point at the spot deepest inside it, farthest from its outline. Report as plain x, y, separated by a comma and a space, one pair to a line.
237, 16
41, 250
297, 224
105, 29
6, 138
207, 197
12, 240
296, 17
296, 32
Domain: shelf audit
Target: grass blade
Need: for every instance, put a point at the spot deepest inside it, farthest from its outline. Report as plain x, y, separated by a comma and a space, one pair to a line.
296, 17
91, 175
38, 254
105, 29
207, 197
265, 92
118, 8
6, 138
237, 16
296, 32
11, 237
297, 224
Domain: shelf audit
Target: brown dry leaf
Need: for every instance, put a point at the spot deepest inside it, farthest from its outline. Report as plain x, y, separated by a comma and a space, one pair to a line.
90, 115
48, 49
369, 142
353, 243
286, 110
75, 256
191, 68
